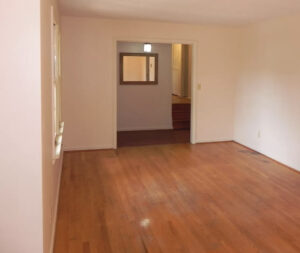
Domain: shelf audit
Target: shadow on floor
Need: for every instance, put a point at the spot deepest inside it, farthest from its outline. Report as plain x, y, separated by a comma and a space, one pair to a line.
155, 137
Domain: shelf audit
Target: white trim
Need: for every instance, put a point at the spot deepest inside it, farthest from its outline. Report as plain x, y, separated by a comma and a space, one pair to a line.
214, 140
114, 95
56, 207
59, 140
88, 148
194, 114
144, 128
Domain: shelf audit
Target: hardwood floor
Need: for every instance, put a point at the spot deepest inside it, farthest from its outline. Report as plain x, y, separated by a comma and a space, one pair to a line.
205, 198
153, 137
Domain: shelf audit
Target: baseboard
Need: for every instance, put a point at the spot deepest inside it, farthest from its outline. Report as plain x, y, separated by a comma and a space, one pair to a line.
145, 128
84, 148
56, 206
264, 154
214, 140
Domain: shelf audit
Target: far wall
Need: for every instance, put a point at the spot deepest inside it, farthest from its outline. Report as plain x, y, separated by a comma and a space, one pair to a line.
88, 76
249, 82
144, 107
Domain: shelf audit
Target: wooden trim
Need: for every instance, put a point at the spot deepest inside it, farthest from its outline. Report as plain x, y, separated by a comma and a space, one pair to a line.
148, 55
89, 150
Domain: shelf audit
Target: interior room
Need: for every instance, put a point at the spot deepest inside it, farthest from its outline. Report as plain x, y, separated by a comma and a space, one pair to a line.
163, 126
153, 93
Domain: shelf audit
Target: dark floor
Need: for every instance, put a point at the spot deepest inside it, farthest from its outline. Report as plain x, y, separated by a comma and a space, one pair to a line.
155, 137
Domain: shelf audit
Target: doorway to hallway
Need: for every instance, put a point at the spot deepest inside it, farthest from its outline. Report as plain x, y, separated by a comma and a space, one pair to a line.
148, 112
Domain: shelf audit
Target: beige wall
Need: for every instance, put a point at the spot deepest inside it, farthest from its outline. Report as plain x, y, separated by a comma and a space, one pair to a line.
88, 78
51, 172
143, 107
177, 69
268, 91
21, 221
182, 70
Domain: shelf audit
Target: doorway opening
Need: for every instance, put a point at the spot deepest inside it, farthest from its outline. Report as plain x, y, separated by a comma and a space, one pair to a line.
154, 93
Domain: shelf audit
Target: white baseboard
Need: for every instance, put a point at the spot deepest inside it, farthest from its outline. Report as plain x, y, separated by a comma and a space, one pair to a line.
214, 140
88, 148
144, 128
56, 206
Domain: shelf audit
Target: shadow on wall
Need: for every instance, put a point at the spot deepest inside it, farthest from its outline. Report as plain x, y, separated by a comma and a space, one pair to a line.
181, 70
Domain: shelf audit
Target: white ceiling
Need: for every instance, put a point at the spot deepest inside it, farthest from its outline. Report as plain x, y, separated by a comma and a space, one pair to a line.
185, 11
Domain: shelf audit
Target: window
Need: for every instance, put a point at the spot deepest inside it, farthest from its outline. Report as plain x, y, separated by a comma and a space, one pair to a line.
57, 124
138, 68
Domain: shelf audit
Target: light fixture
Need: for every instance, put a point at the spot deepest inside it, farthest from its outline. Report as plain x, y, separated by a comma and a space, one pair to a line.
147, 47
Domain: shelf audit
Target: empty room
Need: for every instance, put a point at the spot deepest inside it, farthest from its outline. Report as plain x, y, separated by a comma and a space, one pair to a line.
143, 127
153, 93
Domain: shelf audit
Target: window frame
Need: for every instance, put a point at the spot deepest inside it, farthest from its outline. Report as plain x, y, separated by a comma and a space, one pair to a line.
147, 55
57, 124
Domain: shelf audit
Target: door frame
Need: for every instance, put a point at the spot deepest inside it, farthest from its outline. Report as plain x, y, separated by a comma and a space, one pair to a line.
194, 81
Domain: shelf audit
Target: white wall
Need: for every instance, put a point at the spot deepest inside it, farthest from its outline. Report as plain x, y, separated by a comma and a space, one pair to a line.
28, 180
268, 92
21, 221
142, 107
88, 78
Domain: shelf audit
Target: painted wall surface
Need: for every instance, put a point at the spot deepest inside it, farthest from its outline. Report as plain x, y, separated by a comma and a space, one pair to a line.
189, 70
182, 70
177, 69
268, 93
51, 172
21, 221
89, 83
143, 107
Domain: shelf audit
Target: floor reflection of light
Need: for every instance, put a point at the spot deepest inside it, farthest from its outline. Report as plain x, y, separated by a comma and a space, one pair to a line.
145, 223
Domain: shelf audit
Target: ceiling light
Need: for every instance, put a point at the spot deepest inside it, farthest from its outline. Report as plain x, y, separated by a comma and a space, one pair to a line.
147, 47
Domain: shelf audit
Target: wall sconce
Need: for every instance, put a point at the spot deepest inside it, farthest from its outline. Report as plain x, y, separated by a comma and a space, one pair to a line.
147, 47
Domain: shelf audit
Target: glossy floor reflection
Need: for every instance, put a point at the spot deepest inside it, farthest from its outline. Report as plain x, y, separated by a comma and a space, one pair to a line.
205, 198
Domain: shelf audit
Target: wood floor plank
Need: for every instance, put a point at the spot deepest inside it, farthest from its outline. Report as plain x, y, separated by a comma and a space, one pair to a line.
204, 198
